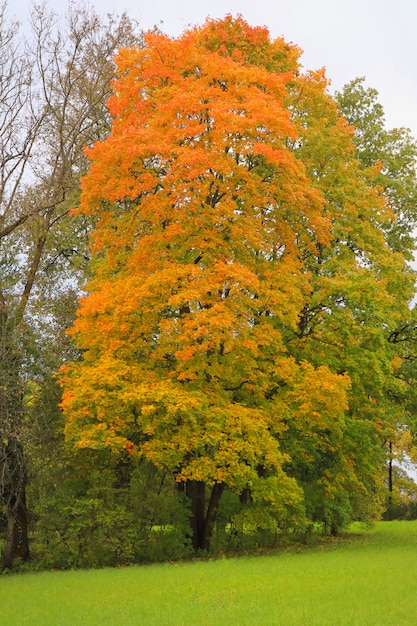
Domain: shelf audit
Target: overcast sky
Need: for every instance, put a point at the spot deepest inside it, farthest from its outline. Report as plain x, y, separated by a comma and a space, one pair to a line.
372, 38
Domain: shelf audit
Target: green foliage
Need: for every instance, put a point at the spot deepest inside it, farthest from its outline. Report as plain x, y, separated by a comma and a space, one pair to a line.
394, 151
355, 302
248, 272
94, 529
106, 512
247, 326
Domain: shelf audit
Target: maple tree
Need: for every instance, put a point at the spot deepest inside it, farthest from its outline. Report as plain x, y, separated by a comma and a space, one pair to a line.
240, 282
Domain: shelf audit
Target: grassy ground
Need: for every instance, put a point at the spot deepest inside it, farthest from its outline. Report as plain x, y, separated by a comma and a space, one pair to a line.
369, 580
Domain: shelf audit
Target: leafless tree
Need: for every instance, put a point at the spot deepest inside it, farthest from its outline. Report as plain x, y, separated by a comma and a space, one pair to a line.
54, 84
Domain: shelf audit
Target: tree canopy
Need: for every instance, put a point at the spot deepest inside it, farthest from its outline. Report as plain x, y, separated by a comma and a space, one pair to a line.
246, 276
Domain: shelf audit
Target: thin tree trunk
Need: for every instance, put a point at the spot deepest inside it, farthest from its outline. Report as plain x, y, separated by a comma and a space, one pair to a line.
196, 491
13, 493
390, 481
17, 543
8, 551
20, 530
211, 515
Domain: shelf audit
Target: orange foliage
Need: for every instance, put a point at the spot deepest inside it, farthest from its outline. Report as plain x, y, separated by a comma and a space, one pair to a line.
202, 211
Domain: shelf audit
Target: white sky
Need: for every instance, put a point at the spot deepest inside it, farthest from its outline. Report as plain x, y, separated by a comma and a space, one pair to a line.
372, 38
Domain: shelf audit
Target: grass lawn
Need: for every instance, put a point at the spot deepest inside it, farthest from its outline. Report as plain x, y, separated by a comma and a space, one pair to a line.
368, 580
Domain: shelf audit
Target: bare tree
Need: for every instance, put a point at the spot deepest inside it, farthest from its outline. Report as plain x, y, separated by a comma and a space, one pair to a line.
53, 88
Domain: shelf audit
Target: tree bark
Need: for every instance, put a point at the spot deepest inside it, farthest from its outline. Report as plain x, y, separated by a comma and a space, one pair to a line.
13, 491
211, 515
202, 522
17, 543
196, 491
12, 461
390, 477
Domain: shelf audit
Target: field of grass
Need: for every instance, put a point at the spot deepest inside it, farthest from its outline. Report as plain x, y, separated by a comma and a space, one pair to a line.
368, 580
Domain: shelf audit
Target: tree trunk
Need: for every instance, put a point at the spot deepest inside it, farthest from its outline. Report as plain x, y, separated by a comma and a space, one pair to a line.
390, 482
8, 550
13, 492
211, 515
196, 491
17, 544
20, 531
202, 521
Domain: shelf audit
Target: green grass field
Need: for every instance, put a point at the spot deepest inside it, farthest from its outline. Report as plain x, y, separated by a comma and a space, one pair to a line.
365, 580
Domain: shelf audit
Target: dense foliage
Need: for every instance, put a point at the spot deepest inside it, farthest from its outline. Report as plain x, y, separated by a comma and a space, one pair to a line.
246, 280
241, 365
